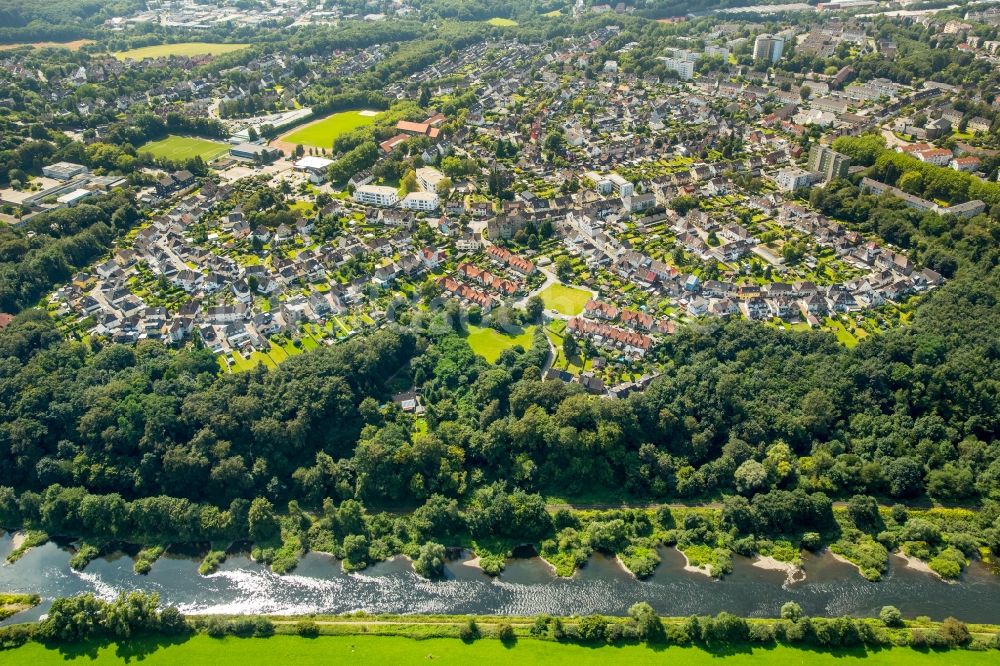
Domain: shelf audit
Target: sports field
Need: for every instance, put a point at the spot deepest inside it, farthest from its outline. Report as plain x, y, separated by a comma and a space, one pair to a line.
564, 300
322, 132
502, 22
381, 650
188, 49
489, 344
180, 148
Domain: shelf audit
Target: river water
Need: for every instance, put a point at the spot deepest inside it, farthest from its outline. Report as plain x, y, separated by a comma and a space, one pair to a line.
526, 587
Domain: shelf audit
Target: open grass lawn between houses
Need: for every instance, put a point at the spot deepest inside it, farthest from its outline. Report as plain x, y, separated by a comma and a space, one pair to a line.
564, 300
181, 148
188, 49
203, 650
489, 343
322, 132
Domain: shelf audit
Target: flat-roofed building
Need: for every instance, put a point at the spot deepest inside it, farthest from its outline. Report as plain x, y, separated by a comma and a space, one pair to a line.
428, 178
376, 195
255, 152
64, 170
424, 201
315, 166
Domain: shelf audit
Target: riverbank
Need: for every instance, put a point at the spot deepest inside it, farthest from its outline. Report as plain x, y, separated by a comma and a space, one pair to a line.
793, 572
632, 536
395, 650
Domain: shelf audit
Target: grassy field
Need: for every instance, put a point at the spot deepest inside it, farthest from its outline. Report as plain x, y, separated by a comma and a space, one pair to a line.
321, 133
189, 49
180, 148
489, 344
72, 46
502, 22
844, 336
486, 652
563, 299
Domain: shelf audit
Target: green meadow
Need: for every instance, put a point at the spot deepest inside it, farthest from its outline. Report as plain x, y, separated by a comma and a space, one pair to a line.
381, 650
489, 343
188, 49
564, 300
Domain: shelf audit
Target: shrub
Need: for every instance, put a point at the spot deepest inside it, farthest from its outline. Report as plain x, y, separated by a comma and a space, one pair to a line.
791, 611
558, 630
955, 632
307, 629
725, 628
890, 616
648, 625
469, 631
505, 632
540, 626
761, 633
812, 541
16, 635
430, 561
949, 563
215, 627
172, 622
592, 628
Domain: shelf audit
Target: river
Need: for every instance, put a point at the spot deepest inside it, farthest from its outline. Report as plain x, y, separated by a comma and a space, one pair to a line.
526, 587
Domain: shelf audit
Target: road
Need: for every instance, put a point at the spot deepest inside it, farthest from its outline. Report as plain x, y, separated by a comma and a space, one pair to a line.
892, 140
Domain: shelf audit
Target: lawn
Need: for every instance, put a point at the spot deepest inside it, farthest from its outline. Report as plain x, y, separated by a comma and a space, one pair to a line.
563, 299
188, 49
181, 148
380, 650
321, 133
843, 335
489, 344
502, 22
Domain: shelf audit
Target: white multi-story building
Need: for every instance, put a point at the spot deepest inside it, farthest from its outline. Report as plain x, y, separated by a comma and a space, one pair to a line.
428, 178
376, 195
425, 201
713, 51
768, 47
623, 187
792, 178
684, 68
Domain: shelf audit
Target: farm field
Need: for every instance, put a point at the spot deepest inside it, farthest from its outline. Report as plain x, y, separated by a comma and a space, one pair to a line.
180, 148
188, 49
502, 22
321, 133
72, 46
202, 649
564, 300
489, 343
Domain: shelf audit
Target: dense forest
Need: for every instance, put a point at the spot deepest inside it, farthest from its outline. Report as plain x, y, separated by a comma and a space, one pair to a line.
30, 20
